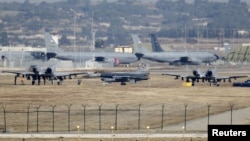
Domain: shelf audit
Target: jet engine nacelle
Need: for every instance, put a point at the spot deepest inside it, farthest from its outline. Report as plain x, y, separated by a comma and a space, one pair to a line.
197, 73
34, 69
209, 73
48, 71
108, 79
49, 74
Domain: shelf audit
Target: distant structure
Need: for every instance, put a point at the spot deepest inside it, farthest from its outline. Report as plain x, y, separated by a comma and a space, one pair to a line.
240, 55
124, 49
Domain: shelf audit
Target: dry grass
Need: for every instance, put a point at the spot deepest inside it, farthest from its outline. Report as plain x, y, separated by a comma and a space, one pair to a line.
153, 93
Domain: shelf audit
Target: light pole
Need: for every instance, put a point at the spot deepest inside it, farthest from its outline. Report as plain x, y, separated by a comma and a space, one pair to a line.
21, 61
78, 130
183, 130
74, 24
148, 127
112, 132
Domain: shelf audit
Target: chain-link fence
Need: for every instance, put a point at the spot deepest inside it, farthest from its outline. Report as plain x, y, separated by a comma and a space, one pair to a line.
65, 118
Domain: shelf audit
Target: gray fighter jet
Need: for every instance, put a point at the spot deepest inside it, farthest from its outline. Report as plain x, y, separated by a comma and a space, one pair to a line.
140, 74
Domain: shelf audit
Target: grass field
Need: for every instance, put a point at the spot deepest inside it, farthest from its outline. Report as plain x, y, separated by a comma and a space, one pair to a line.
151, 95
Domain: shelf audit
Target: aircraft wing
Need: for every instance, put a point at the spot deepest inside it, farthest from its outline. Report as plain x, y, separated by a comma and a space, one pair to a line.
20, 73
187, 78
177, 76
229, 78
64, 74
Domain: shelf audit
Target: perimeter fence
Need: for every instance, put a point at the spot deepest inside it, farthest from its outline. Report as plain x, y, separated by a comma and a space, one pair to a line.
72, 118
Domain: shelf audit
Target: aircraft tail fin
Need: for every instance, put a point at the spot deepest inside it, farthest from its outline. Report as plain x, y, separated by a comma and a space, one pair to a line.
156, 47
52, 43
138, 47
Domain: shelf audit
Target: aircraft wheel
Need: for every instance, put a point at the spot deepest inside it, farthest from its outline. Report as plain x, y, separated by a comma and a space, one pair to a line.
123, 83
59, 83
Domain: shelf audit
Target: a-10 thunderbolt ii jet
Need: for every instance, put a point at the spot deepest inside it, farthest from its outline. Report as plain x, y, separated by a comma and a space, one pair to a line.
36, 73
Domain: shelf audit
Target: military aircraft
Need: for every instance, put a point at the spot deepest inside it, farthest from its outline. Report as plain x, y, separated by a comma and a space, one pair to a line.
208, 76
172, 57
140, 74
37, 73
53, 51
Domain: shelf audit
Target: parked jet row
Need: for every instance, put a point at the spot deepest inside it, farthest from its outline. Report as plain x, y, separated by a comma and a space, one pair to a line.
36, 73
158, 54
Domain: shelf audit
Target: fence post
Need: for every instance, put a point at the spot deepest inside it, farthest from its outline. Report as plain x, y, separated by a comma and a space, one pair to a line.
4, 116
100, 117
37, 117
116, 113
139, 117
208, 112
28, 118
53, 118
231, 107
185, 118
69, 105
162, 116
84, 117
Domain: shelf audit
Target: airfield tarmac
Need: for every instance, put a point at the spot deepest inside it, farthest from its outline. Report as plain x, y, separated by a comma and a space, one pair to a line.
153, 93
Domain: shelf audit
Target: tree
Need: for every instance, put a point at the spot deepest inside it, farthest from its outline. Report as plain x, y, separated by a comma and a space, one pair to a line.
64, 41
117, 34
99, 43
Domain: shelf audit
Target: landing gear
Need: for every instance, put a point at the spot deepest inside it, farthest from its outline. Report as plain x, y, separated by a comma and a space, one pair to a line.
214, 83
123, 83
59, 82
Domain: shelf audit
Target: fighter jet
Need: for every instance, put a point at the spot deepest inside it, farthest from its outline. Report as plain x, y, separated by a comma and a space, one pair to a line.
171, 57
140, 74
209, 76
37, 73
